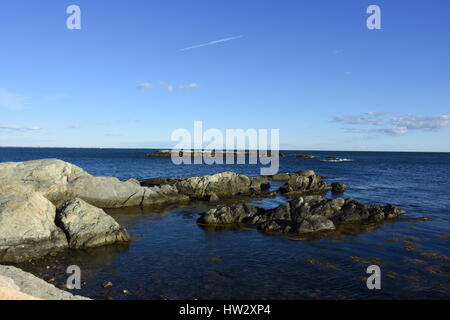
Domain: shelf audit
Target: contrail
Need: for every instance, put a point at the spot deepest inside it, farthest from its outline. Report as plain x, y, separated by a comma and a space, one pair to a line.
211, 42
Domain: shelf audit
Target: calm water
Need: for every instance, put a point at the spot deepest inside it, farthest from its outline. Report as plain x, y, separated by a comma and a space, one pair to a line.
171, 256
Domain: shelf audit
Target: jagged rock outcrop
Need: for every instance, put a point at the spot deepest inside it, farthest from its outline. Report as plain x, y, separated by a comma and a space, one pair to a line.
303, 215
27, 227
17, 284
88, 226
221, 185
303, 182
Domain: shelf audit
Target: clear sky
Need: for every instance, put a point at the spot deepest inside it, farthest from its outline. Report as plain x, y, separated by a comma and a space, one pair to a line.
138, 70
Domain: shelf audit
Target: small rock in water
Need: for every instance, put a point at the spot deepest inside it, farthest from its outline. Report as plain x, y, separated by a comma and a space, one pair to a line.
51, 280
107, 284
126, 292
337, 187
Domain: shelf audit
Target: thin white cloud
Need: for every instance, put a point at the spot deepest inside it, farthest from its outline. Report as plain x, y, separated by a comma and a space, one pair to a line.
212, 42
189, 86
145, 85
374, 118
19, 128
393, 124
171, 88
385, 131
11, 100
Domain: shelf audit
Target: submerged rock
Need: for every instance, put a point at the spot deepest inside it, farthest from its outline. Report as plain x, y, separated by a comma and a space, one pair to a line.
306, 156
303, 215
88, 226
337, 187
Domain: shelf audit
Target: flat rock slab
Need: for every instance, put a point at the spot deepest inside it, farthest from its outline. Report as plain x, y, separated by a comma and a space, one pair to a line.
24, 285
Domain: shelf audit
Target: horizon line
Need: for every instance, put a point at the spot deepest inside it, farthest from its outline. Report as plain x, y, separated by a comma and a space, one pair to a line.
295, 150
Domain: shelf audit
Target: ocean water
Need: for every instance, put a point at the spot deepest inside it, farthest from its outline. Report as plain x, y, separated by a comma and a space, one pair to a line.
172, 257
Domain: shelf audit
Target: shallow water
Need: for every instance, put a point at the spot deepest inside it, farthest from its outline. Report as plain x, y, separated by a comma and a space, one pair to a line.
173, 257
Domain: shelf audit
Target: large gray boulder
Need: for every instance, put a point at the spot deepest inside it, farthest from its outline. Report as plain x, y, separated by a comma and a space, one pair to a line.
60, 181
48, 176
24, 282
88, 226
27, 227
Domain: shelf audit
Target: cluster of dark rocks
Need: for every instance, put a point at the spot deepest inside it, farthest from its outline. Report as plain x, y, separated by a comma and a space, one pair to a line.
302, 215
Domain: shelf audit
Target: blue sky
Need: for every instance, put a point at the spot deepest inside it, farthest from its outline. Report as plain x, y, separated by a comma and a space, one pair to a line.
309, 68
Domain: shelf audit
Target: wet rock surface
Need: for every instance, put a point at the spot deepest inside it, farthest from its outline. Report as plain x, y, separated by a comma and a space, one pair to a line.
337, 187
303, 215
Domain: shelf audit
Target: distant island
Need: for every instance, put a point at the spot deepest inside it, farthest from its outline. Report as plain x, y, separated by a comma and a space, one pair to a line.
166, 153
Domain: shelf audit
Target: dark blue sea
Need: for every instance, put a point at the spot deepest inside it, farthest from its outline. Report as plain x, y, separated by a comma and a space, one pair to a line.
171, 257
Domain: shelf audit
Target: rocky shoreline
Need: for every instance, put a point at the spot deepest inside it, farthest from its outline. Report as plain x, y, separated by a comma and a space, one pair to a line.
50, 205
